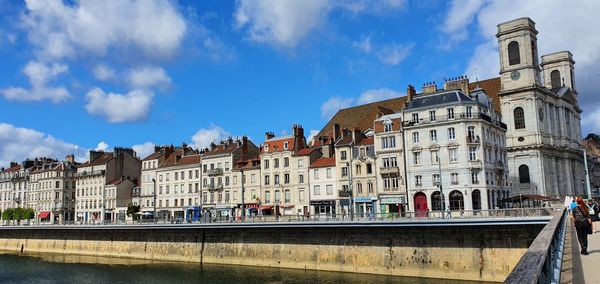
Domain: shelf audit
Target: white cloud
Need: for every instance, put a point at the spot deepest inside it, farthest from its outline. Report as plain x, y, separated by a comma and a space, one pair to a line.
332, 105
363, 45
103, 72
102, 146
591, 119
311, 135
39, 75
372, 7
117, 108
143, 150
394, 53
461, 14
18, 143
63, 29
280, 22
374, 95
205, 136
148, 77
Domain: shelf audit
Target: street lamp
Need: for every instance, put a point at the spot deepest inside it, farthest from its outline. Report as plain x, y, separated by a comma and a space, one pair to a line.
350, 201
154, 201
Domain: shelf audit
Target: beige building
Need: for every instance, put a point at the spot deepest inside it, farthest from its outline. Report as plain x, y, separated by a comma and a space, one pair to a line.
246, 175
8, 186
117, 196
93, 176
52, 190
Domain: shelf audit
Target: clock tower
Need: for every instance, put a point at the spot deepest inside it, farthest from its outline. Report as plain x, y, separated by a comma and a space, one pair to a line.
517, 41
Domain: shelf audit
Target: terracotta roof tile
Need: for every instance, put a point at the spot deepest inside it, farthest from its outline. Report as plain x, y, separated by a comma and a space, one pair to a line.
178, 159
323, 162
277, 145
13, 169
367, 141
103, 159
304, 152
491, 88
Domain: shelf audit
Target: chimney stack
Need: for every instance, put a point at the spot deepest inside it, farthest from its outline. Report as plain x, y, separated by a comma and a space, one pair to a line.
429, 88
269, 135
70, 158
337, 132
457, 83
410, 92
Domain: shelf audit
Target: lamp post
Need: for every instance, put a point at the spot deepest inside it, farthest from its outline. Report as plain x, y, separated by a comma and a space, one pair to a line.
442, 199
243, 203
154, 201
350, 203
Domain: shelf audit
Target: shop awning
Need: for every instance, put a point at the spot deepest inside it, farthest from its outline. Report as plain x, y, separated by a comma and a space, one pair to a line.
44, 214
287, 206
266, 207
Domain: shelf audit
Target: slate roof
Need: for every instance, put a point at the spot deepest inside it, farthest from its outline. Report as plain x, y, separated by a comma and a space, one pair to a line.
103, 159
439, 99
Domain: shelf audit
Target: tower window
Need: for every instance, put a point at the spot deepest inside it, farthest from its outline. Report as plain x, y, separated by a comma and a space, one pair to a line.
514, 57
519, 117
555, 79
524, 174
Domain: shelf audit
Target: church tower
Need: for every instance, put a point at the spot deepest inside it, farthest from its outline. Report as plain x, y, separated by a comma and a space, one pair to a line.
543, 119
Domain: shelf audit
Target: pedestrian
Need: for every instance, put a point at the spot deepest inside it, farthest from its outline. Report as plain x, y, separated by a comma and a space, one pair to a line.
581, 218
593, 213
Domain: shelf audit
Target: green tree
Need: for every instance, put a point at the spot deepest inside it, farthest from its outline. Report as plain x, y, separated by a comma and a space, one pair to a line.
28, 213
17, 214
7, 215
132, 209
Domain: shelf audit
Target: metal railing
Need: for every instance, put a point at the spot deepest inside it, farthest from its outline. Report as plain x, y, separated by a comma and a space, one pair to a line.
213, 217
543, 260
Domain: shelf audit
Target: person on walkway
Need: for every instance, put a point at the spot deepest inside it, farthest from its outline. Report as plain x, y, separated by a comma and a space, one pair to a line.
581, 218
593, 213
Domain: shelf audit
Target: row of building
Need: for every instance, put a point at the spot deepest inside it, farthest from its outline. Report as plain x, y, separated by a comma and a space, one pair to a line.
465, 146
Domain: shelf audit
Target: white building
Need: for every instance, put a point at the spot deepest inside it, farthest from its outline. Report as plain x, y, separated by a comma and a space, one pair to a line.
542, 114
456, 141
324, 187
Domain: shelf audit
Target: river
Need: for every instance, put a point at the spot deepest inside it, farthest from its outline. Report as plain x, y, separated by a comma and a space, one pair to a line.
47, 268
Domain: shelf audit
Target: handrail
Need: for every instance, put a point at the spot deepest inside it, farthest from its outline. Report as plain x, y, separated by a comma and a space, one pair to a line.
542, 261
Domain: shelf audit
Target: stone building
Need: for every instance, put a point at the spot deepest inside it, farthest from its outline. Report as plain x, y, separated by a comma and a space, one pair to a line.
101, 169
539, 105
118, 195
8, 188
324, 188
246, 179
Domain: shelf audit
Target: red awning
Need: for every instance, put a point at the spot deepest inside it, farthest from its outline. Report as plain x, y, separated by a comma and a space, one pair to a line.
287, 206
266, 207
44, 214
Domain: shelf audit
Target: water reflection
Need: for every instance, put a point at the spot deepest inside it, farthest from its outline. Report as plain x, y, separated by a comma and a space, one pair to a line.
52, 268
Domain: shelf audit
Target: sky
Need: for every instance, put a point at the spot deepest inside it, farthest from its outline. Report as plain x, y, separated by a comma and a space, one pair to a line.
82, 74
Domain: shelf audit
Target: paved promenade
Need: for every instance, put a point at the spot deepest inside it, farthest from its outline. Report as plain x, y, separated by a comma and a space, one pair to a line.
591, 263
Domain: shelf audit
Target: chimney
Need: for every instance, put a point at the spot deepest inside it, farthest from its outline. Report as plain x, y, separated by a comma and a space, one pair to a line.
356, 136
337, 131
457, 83
300, 139
269, 135
244, 147
212, 145
410, 92
13, 164
429, 88
70, 158
95, 154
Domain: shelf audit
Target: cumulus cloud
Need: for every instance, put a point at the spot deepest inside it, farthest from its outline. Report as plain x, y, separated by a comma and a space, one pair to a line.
103, 72
61, 29
117, 108
364, 44
148, 77
39, 74
205, 136
374, 95
461, 14
102, 146
311, 135
371, 7
143, 150
332, 105
394, 53
18, 143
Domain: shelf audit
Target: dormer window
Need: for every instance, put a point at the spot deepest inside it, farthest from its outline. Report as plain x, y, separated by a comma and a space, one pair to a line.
285, 145
387, 126
267, 148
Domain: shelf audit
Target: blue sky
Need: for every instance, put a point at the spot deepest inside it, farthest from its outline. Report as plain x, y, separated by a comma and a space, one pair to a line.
79, 75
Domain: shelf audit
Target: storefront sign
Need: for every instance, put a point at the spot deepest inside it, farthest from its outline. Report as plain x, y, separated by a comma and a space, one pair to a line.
399, 199
323, 202
363, 200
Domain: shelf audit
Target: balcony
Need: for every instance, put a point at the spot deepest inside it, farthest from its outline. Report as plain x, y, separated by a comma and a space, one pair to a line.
215, 172
213, 187
499, 165
457, 117
475, 164
473, 139
385, 171
90, 173
344, 193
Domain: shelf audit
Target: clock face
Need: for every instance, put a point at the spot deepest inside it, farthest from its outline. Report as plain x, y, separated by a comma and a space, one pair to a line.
515, 75
541, 112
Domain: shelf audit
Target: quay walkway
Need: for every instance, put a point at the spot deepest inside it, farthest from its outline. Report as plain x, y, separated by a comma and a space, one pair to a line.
587, 265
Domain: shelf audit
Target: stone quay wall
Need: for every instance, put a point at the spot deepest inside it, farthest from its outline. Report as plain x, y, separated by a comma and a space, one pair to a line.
463, 252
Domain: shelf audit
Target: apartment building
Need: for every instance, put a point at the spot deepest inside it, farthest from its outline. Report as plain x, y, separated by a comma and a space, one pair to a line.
324, 187
217, 175
246, 179
455, 150
118, 195
101, 169
52, 189
8, 193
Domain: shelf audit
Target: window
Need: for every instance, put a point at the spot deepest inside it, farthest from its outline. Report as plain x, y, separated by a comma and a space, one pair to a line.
388, 142
451, 133
266, 164
454, 178
471, 133
226, 166
450, 113
435, 179
436, 201
275, 163
433, 135
190, 175
415, 117
432, 115
252, 178
456, 200
316, 174
524, 174
286, 162
418, 180
435, 157
358, 169
301, 178
415, 137
288, 196
301, 195
417, 158
197, 174
453, 154
475, 178
469, 111
190, 188
369, 169
276, 179
176, 177
472, 153
267, 179
267, 197
344, 172
204, 168
277, 196
226, 180
329, 189
285, 146
359, 188
286, 178
519, 117
300, 163
387, 126
343, 155
514, 56
317, 190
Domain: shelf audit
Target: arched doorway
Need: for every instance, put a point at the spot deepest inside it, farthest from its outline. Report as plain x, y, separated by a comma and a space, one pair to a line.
436, 201
476, 199
421, 205
456, 200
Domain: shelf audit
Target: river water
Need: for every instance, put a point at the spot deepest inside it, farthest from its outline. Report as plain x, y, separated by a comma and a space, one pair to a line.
85, 269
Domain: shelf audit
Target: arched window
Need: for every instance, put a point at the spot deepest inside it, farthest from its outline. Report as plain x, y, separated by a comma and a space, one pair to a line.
555, 79
514, 56
524, 174
359, 188
456, 200
534, 52
519, 117
436, 201
476, 196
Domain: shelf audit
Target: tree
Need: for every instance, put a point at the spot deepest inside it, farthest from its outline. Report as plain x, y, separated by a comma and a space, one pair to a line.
132, 209
28, 214
8, 215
